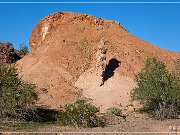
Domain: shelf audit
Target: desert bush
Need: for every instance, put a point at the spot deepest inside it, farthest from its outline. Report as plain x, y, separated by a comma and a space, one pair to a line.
115, 111
81, 113
23, 49
158, 90
16, 96
176, 69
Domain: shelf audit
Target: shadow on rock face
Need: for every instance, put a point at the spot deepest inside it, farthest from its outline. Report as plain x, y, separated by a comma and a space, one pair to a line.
110, 68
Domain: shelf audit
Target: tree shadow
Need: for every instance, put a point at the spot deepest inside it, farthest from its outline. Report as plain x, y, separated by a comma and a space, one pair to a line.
16, 57
110, 68
42, 115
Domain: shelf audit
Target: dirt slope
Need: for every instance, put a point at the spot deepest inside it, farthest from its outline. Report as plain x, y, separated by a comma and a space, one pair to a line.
63, 48
114, 93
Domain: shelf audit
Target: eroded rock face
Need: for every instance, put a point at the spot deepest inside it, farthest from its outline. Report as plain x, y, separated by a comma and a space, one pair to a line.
63, 47
101, 63
7, 53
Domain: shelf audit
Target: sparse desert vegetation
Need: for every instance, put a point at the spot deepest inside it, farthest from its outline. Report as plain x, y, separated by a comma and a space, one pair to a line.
16, 96
158, 90
159, 98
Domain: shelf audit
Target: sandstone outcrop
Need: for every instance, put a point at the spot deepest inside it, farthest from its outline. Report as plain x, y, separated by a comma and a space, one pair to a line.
7, 53
63, 53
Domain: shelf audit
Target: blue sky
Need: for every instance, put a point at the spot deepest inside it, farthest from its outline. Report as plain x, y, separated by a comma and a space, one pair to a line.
158, 24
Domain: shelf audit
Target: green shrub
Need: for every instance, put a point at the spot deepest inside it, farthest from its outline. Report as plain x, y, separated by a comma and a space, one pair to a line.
23, 49
16, 96
82, 114
158, 90
115, 111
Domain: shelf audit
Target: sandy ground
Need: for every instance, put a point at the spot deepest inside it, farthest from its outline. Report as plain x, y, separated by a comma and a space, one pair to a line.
134, 123
114, 93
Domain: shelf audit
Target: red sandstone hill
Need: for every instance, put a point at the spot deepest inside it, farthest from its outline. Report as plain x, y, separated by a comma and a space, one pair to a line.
8, 54
63, 53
